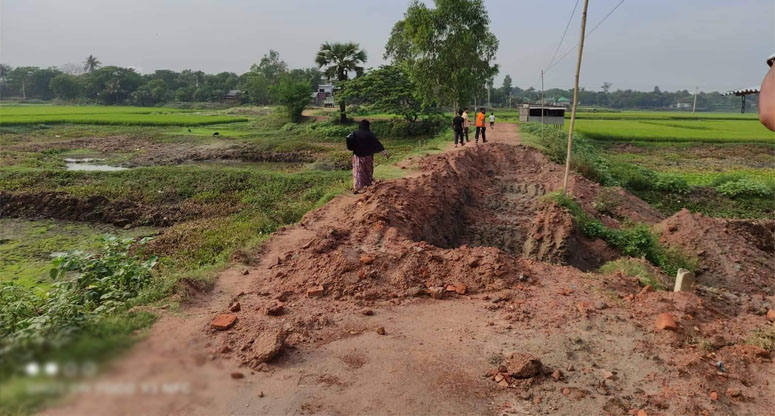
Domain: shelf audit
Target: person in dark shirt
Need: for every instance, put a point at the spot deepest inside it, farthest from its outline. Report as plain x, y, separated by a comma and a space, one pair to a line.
364, 145
457, 127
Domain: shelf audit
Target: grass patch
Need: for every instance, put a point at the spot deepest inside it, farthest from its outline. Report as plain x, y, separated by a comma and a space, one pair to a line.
763, 338
629, 266
635, 241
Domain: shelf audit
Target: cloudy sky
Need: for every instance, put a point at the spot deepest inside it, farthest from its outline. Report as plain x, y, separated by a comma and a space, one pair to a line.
675, 44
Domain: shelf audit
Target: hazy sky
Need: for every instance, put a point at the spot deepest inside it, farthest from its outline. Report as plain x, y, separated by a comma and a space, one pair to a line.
675, 44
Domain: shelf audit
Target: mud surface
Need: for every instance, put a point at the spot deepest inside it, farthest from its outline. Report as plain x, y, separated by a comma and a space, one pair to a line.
409, 298
147, 152
99, 209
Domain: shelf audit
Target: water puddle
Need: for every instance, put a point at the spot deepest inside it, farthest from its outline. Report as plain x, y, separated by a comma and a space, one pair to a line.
89, 165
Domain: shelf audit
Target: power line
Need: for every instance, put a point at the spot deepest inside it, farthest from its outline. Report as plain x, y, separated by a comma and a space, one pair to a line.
564, 33
588, 34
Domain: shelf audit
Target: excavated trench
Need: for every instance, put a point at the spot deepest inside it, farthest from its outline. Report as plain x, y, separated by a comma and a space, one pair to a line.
490, 196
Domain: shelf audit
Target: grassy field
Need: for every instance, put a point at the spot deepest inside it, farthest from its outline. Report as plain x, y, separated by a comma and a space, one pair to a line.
707, 130
660, 115
102, 115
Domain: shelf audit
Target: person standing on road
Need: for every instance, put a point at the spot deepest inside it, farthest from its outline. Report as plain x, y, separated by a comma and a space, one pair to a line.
457, 128
466, 124
492, 120
480, 127
364, 145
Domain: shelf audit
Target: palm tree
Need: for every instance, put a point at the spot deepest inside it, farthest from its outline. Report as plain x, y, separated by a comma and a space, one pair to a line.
91, 63
339, 59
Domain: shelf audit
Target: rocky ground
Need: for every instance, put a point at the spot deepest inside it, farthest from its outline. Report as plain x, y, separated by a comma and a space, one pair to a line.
459, 291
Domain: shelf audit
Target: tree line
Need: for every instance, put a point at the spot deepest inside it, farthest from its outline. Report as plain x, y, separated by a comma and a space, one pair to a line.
114, 85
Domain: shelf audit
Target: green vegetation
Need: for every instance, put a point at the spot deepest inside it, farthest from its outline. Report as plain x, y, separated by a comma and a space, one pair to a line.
26, 246
388, 89
448, 51
728, 180
629, 266
86, 289
661, 115
707, 130
633, 241
292, 95
132, 116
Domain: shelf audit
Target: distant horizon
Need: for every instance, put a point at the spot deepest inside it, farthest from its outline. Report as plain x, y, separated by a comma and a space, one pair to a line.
674, 46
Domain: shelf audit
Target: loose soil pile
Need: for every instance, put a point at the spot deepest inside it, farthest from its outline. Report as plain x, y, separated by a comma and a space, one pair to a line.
473, 224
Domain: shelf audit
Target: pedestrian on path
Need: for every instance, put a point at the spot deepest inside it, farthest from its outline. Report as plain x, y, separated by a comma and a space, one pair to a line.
364, 145
492, 120
466, 124
480, 127
457, 128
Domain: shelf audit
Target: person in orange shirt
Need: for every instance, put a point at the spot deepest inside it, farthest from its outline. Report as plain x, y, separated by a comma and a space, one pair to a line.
480, 126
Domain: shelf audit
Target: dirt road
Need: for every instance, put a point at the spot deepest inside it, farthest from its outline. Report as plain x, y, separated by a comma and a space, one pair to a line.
423, 295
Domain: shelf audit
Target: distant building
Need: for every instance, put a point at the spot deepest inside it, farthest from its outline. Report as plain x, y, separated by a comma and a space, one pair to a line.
562, 101
551, 115
683, 106
324, 96
232, 97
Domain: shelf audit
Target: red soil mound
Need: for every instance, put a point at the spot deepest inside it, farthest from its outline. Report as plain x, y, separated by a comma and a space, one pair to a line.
733, 254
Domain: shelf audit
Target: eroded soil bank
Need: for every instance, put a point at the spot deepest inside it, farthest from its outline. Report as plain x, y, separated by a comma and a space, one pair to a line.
415, 297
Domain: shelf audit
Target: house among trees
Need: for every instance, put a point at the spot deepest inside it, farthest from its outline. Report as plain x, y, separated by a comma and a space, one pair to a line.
562, 101
232, 97
324, 96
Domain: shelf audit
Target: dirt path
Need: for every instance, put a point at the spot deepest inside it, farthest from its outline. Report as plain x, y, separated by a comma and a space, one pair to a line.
469, 231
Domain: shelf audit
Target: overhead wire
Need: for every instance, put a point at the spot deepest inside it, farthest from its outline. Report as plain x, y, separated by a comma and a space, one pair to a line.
562, 39
588, 34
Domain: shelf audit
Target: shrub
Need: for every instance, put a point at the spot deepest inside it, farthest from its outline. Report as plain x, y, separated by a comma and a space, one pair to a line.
89, 287
745, 187
671, 183
292, 95
633, 177
634, 241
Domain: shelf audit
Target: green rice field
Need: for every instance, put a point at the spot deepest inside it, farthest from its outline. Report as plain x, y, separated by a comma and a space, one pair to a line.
104, 115
706, 130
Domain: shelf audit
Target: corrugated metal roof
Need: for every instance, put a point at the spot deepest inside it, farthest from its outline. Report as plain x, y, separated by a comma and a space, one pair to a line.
743, 91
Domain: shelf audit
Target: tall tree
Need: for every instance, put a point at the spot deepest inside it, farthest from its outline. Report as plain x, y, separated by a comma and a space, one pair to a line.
339, 60
387, 88
449, 50
506, 88
271, 67
91, 64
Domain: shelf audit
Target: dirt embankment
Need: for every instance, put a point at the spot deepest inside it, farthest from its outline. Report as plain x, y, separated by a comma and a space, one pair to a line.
473, 224
733, 254
99, 209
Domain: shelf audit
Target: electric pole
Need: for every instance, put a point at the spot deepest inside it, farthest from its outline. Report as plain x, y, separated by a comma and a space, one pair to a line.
575, 97
542, 103
694, 106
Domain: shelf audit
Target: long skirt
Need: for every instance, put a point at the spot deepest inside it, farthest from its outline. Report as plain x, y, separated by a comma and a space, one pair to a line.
363, 171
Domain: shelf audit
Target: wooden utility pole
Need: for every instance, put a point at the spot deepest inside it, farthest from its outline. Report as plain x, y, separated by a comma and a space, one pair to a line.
694, 106
575, 97
542, 104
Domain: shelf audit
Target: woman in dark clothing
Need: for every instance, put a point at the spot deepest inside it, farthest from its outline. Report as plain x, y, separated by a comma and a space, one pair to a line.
364, 144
